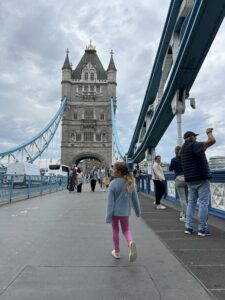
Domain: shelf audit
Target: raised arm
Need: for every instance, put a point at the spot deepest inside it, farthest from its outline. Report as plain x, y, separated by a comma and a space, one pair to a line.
211, 139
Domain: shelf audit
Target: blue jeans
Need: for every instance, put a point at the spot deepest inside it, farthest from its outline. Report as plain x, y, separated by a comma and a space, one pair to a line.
182, 191
198, 190
137, 182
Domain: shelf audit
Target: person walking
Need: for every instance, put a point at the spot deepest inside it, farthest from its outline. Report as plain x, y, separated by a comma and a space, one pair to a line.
74, 176
180, 184
101, 176
137, 177
121, 196
70, 181
111, 173
197, 175
80, 178
93, 178
158, 179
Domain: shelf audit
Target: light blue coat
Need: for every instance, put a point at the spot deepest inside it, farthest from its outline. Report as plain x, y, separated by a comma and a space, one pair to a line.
119, 204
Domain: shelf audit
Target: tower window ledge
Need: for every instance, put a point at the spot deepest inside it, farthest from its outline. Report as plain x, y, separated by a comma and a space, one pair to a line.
89, 121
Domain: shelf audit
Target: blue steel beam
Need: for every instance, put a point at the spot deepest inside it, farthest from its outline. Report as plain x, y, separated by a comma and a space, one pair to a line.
120, 153
201, 28
155, 77
37, 141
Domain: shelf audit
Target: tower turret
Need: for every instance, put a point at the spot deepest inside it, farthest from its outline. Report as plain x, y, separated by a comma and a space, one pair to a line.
66, 76
111, 76
111, 69
66, 68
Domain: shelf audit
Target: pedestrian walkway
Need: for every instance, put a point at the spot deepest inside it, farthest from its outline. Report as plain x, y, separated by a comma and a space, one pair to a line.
58, 247
202, 256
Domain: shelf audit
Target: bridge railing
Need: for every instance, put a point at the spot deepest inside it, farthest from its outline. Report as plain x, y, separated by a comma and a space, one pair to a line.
18, 187
217, 188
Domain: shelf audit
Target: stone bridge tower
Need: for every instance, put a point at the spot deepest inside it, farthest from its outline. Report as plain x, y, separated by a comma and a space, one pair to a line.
86, 122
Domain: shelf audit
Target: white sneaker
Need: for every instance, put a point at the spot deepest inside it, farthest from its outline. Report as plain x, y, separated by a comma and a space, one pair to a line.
115, 254
160, 206
132, 252
182, 219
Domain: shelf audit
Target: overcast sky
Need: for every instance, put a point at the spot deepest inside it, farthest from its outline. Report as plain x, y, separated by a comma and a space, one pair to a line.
34, 36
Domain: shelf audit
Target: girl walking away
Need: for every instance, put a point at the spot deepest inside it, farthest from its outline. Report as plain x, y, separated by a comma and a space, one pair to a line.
121, 196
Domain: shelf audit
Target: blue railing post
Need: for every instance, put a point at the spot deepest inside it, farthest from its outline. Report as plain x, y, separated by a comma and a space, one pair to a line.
11, 188
41, 182
50, 183
148, 186
29, 186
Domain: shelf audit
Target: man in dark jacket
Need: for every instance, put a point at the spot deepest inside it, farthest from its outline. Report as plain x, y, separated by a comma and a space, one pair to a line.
197, 175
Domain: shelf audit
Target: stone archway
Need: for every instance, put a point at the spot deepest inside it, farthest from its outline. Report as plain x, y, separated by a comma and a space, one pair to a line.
90, 159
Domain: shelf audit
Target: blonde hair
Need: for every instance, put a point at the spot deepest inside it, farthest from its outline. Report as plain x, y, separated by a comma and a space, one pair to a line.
177, 150
121, 170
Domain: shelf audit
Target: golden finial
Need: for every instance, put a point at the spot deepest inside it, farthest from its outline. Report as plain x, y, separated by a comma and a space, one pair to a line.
90, 47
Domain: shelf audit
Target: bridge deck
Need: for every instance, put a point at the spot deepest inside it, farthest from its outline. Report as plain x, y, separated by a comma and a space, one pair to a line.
58, 247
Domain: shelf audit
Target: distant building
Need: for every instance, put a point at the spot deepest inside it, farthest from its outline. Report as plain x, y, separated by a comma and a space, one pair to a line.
217, 162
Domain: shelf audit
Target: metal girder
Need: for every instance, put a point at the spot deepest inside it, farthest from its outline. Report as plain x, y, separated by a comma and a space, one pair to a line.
197, 32
117, 150
36, 145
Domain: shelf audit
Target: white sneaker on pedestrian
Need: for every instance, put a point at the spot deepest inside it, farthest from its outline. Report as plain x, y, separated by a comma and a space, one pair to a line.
160, 206
132, 252
115, 254
182, 219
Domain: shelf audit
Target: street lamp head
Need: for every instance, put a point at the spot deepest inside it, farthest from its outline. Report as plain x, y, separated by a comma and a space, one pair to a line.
192, 102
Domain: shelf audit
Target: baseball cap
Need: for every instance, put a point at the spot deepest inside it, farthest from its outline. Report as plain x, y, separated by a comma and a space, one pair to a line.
189, 133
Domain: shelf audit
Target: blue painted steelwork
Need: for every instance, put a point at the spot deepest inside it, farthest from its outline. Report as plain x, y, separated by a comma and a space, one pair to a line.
118, 152
32, 149
197, 32
31, 187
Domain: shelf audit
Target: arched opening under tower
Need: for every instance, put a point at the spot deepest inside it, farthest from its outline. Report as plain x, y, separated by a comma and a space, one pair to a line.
87, 160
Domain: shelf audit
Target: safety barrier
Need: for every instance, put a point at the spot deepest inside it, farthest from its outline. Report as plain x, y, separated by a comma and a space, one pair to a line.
18, 187
217, 188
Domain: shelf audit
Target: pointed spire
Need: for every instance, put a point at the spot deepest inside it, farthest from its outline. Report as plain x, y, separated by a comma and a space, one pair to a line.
111, 63
67, 64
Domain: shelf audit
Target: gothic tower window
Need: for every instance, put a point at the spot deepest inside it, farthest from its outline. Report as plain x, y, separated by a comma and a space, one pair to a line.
102, 117
88, 136
92, 76
104, 137
86, 75
88, 115
75, 116
78, 137
98, 137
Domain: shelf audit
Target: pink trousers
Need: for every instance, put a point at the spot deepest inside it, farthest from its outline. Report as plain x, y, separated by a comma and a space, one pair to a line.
124, 223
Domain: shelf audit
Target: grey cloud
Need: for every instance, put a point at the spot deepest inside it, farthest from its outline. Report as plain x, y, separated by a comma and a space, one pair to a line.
35, 35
